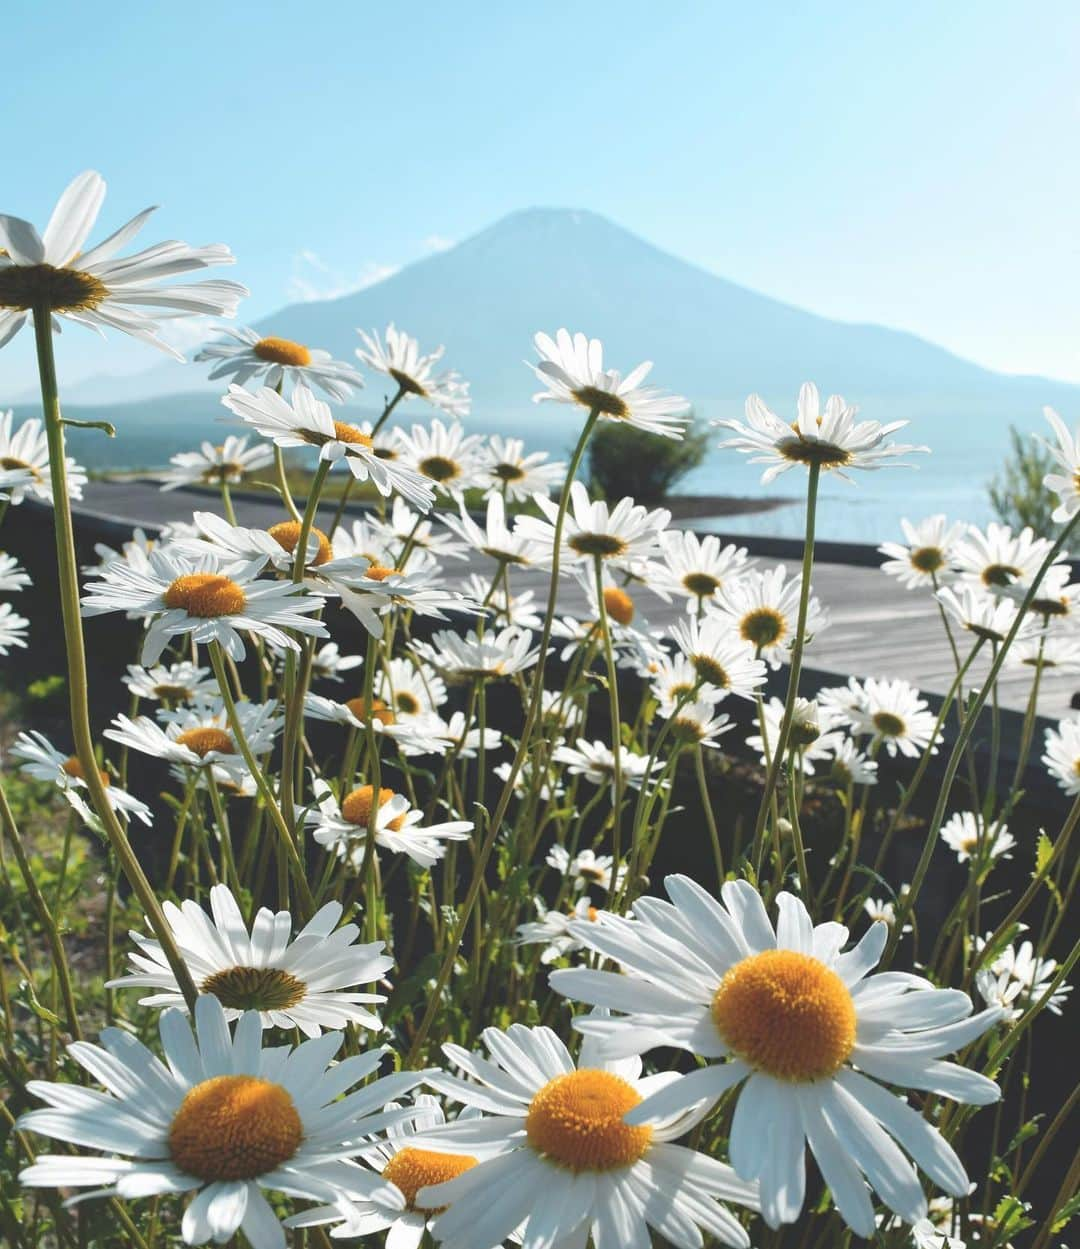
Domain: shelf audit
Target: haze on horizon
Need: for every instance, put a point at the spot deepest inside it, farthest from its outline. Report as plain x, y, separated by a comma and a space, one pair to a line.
905, 168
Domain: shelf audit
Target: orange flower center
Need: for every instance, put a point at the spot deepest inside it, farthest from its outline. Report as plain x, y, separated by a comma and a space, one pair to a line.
204, 740
206, 595
75, 769
618, 605
576, 1120
234, 1128
286, 534
379, 572
282, 351
413, 1169
356, 807
379, 710
787, 1014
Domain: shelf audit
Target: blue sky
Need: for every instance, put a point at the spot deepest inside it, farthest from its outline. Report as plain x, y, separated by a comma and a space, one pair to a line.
911, 165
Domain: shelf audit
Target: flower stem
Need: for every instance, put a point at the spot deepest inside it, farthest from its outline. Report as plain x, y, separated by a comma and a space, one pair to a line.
780, 749
68, 584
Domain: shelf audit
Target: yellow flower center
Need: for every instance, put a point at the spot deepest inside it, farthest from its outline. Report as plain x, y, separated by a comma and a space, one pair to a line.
227, 470
61, 290
711, 671
508, 472
602, 401
408, 384
172, 693
379, 572
606, 545
282, 351
379, 710
413, 1169
408, 704
999, 574
888, 724
204, 740
255, 988
286, 534
234, 1128
764, 626
576, 1120
75, 769
927, 559
811, 451
10, 464
439, 468
356, 807
618, 605
787, 1014
206, 595
343, 432
701, 583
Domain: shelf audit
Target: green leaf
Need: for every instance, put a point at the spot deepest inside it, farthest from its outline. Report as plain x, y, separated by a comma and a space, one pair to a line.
1044, 848
104, 426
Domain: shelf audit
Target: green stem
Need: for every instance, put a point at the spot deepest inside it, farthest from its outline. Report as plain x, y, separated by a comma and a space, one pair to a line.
780, 750
68, 582
616, 715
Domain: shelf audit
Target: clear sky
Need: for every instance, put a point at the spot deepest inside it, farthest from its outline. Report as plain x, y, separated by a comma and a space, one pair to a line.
913, 165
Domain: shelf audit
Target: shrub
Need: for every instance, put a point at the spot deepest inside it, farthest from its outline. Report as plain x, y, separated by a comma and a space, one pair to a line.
1017, 493
624, 460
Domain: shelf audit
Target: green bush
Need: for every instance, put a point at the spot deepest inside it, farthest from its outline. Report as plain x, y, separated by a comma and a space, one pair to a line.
1017, 493
623, 460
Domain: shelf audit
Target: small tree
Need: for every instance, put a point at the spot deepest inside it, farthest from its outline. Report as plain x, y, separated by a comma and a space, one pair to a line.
1017, 493
625, 460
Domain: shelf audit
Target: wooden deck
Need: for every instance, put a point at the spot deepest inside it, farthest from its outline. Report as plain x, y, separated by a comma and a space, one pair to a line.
876, 627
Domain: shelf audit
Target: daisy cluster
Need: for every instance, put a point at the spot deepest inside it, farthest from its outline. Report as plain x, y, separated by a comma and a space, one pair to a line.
402, 967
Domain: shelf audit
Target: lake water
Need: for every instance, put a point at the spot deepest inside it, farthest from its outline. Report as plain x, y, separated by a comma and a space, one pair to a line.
968, 441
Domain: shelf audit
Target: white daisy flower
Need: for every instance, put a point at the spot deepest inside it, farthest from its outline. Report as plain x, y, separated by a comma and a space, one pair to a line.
985, 615
507, 470
586, 868
307, 981
94, 287
13, 576
595, 761
416, 733
966, 833
694, 567
522, 610
675, 679
551, 929
843, 702
812, 738
438, 736
273, 361
200, 737
894, 714
1057, 600
135, 553
41, 760
406, 1169
443, 455
830, 439
763, 608
207, 599
572, 369
328, 663
720, 658
804, 1028
411, 688
923, 559
1062, 754
508, 547
406, 533
1017, 977
1043, 651
304, 421
880, 910
997, 559
624, 537
343, 827
555, 1154
850, 765
496, 654
377, 590
1067, 454
170, 683
13, 628
697, 724
24, 452
230, 462
221, 1117
400, 359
